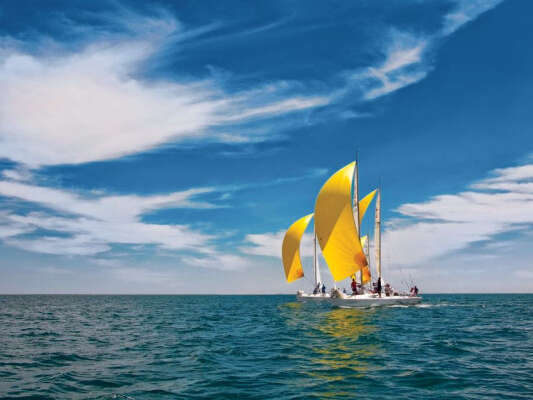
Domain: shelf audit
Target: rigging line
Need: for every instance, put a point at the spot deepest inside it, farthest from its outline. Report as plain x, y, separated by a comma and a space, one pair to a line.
308, 280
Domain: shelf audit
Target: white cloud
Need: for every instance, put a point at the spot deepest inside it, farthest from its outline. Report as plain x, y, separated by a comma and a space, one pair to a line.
58, 107
19, 174
403, 65
269, 244
264, 244
113, 208
94, 104
465, 11
405, 54
90, 224
10, 228
404, 61
280, 107
80, 244
216, 260
447, 223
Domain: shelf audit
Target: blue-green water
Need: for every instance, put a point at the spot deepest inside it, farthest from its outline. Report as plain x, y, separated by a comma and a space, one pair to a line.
264, 347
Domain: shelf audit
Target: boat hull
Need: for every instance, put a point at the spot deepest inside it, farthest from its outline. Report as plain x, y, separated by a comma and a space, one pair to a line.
302, 296
373, 301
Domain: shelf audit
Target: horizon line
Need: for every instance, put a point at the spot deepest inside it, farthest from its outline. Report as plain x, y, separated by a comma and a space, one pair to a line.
219, 294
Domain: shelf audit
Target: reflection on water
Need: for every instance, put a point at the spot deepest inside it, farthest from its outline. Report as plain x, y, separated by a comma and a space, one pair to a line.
340, 350
336, 345
348, 323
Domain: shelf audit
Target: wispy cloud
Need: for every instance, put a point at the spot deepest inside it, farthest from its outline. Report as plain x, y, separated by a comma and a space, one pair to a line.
63, 107
218, 260
237, 35
312, 174
264, 244
403, 65
17, 174
269, 244
90, 223
406, 56
448, 223
94, 104
464, 12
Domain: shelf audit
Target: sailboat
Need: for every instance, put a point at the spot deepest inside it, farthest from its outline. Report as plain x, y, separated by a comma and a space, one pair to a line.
337, 219
292, 263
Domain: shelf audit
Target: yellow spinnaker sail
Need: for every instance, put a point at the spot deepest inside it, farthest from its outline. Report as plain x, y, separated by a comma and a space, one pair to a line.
365, 271
366, 275
290, 250
335, 225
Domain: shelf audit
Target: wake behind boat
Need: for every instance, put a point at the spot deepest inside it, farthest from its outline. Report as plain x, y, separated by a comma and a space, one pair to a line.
337, 225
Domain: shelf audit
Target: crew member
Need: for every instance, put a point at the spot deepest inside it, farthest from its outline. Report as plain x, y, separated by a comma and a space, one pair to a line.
316, 290
354, 286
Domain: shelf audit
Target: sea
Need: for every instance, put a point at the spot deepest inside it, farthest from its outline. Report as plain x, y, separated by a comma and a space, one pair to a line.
460, 346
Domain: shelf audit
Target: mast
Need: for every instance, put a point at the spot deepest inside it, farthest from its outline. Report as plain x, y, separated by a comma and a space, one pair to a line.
315, 264
368, 251
356, 201
356, 195
377, 234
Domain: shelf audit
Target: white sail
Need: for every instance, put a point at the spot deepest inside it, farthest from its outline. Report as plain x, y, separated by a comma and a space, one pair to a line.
356, 213
316, 269
318, 278
377, 235
355, 184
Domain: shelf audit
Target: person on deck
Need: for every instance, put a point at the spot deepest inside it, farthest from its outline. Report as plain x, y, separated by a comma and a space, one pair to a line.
354, 286
323, 289
416, 291
387, 290
379, 287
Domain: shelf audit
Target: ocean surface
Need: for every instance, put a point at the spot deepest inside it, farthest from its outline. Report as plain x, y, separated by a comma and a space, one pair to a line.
264, 347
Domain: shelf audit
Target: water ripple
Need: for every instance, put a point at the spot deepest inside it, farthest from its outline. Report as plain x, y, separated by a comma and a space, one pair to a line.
256, 347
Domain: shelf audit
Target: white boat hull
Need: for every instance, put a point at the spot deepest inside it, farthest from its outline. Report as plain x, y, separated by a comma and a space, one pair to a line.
372, 300
302, 296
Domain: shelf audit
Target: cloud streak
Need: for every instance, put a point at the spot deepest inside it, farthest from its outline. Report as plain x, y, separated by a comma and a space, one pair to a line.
405, 55
404, 64
60, 107
500, 204
464, 12
92, 105
90, 224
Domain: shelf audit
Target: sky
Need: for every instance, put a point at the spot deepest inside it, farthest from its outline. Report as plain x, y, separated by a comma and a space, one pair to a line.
165, 147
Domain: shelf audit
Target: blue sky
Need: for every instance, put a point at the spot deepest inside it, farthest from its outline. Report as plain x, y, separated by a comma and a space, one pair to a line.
165, 147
